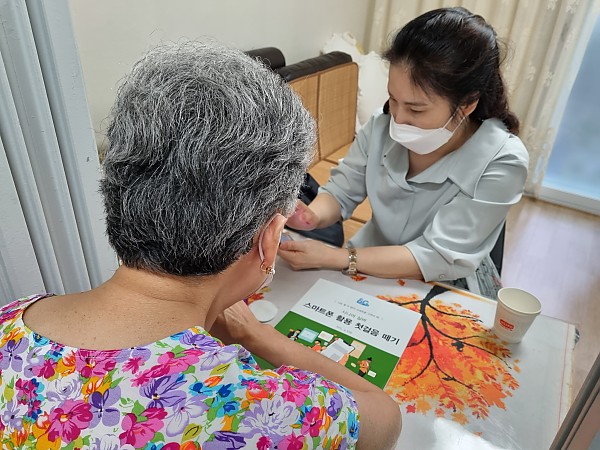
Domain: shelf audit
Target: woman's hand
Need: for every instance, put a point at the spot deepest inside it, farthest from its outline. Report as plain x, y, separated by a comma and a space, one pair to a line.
311, 254
303, 218
236, 325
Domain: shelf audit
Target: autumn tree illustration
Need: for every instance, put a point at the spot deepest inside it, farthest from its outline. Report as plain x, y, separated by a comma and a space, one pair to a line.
453, 365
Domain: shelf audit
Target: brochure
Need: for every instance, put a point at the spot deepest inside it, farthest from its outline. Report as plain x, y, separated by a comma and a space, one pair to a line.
366, 334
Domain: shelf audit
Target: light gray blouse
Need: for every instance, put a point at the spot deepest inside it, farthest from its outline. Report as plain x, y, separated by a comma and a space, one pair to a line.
450, 215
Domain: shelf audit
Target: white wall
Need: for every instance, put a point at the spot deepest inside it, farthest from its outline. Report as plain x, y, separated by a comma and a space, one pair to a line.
112, 34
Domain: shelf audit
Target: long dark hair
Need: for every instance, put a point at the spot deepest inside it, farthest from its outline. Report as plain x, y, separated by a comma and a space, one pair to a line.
456, 55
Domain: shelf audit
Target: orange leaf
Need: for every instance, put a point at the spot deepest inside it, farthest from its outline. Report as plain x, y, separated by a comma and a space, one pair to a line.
493, 395
460, 418
423, 406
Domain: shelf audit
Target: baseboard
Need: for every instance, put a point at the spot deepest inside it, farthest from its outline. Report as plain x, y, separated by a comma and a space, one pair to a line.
570, 200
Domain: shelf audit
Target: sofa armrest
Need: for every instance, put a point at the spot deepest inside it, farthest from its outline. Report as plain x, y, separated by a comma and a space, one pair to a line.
270, 56
313, 65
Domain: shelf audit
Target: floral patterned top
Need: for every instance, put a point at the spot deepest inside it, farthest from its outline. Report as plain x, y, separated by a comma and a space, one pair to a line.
187, 391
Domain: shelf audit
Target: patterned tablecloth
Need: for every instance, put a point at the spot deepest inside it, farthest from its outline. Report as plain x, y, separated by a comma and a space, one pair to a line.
457, 384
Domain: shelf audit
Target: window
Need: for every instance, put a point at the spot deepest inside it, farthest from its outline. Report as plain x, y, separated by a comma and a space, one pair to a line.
573, 173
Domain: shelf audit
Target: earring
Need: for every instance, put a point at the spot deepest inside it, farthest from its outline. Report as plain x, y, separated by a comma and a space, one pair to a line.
269, 270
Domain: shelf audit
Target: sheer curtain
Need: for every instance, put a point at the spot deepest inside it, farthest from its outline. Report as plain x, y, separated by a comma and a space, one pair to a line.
546, 40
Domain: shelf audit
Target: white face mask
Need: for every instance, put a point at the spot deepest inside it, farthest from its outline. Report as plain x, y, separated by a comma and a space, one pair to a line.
419, 140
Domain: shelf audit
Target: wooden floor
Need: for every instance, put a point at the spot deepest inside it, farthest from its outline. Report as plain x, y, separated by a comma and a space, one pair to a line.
554, 253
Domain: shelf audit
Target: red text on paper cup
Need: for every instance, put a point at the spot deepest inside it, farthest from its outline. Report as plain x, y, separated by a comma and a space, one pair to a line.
505, 324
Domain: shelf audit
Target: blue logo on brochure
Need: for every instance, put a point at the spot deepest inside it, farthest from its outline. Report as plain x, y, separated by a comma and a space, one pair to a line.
362, 301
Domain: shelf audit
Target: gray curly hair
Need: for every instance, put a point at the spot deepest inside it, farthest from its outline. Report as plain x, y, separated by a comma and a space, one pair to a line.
205, 146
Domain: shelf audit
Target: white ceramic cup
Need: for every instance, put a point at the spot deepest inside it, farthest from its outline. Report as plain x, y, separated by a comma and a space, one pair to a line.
515, 312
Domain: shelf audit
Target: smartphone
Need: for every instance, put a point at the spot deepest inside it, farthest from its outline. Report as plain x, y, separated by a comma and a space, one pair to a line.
285, 237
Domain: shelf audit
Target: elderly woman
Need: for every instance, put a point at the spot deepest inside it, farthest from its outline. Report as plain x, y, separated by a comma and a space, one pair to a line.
207, 152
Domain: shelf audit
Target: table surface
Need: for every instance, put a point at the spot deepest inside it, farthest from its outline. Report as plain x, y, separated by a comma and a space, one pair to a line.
457, 384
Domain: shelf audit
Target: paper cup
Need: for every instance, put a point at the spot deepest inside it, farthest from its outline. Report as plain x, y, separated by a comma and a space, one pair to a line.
515, 312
